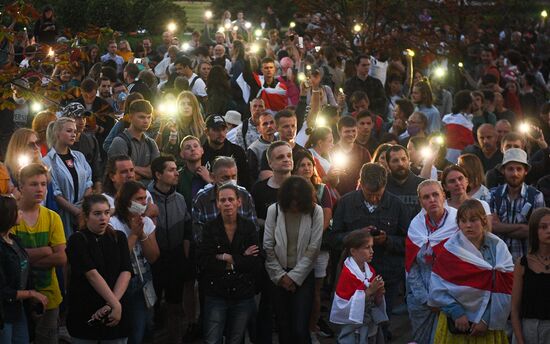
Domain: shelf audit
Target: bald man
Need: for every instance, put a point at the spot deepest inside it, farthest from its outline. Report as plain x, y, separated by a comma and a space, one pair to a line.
487, 147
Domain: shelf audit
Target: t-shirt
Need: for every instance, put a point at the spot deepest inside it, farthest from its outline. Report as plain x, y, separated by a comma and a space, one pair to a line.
264, 196
69, 163
48, 231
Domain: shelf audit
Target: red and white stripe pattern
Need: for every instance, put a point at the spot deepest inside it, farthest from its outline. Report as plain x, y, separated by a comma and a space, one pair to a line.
348, 306
275, 98
419, 234
460, 274
459, 134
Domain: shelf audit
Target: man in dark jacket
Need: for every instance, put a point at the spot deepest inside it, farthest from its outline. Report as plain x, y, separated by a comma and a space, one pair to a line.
218, 145
363, 82
175, 266
131, 72
374, 209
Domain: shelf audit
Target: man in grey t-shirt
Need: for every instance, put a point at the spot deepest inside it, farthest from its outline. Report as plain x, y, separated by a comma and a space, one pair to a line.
134, 143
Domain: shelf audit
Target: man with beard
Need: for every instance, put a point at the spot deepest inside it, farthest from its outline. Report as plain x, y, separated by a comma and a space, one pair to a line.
513, 203
402, 182
486, 148
218, 145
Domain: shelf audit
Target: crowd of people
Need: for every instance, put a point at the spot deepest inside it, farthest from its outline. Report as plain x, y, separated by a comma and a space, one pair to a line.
236, 183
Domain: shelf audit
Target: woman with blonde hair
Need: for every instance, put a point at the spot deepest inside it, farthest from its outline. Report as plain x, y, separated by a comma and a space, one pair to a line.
125, 50
39, 125
71, 173
22, 149
187, 121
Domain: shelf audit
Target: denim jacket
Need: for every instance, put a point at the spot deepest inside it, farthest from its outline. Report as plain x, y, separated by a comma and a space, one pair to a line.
62, 182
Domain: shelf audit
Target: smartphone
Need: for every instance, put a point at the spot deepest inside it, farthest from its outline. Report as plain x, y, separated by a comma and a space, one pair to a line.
137, 61
301, 42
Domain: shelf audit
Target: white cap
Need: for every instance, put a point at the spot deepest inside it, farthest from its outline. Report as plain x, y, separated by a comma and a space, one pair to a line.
233, 117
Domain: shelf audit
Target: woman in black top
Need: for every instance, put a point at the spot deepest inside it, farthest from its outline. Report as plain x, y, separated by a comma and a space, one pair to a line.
14, 279
228, 258
45, 29
530, 298
100, 270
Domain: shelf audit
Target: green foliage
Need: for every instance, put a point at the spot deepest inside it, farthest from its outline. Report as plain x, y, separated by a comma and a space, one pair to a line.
254, 9
159, 13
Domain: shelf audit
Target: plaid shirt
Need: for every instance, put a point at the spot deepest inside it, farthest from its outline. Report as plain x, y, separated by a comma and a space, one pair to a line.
514, 211
205, 210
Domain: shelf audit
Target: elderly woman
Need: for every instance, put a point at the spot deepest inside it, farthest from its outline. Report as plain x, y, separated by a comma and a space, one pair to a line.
435, 223
292, 239
228, 256
471, 282
530, 298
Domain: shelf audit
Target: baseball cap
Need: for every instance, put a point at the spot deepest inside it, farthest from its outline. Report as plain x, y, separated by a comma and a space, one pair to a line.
215, 122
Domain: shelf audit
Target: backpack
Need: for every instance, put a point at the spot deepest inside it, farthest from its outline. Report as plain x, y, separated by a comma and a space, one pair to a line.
129, 143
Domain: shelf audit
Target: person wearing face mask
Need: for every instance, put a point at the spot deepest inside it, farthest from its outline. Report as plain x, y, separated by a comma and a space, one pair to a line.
224, 170
21, 111
129, 218
217, 145
71, 173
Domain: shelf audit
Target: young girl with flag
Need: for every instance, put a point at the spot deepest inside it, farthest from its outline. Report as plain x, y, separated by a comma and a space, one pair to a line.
472, 282
359, 304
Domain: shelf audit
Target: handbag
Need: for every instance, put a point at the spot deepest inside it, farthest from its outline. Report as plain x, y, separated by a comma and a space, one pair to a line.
148, 289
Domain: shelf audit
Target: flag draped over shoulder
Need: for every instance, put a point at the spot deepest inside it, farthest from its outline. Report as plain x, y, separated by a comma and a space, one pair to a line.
348, 306
460, 274
275, 98
419, 234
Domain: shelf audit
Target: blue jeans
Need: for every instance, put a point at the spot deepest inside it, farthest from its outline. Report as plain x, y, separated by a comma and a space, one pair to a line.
293, 310
137, 312
15, 332
219, 311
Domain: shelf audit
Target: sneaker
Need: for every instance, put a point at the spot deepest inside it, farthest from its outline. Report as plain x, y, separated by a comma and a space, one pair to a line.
314, 339
324, 329
192, 334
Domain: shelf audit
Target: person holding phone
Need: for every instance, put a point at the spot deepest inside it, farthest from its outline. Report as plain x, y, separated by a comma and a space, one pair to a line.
100, 270
15, 278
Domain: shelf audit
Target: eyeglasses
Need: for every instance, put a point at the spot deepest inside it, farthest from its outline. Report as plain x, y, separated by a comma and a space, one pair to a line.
33, 145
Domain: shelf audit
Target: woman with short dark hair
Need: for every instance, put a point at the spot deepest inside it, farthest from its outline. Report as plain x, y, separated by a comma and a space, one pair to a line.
228, 257
292, 240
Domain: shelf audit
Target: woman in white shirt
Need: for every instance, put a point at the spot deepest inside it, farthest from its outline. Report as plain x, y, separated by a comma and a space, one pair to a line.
129, 218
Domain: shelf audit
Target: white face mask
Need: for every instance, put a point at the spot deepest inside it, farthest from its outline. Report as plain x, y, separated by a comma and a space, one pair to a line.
231, 181
137, 208
18, 100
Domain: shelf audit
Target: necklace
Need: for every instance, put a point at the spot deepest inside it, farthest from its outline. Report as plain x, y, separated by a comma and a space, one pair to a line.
544, 261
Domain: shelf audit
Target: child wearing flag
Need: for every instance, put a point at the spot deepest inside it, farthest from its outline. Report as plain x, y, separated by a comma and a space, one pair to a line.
471, 282
359, 304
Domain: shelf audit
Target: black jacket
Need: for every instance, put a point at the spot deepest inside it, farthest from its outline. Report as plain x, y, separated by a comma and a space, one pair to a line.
234, 284
232, 150
374, 90
391, 216
10, 280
